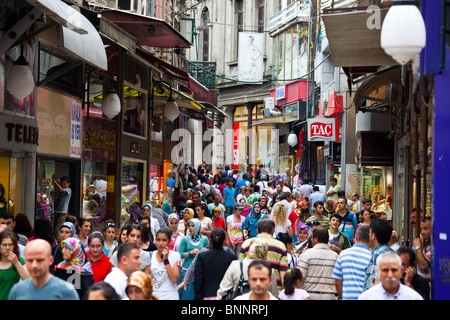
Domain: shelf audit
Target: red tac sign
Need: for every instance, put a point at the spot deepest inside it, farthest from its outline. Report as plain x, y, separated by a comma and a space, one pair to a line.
323, 129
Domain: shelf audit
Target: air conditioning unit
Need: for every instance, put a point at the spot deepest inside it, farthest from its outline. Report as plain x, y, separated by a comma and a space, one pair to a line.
269, 109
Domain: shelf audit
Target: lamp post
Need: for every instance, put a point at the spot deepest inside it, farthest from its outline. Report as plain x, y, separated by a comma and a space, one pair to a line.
403, 31
171, 111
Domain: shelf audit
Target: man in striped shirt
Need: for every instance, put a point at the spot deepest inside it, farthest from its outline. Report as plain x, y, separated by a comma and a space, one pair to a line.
317, 264
276, 252
350, 269
318, 215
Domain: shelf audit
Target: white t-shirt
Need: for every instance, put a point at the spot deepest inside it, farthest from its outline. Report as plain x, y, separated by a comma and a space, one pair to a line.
118, 280
299, 294
281, 228
205, 223
154, 226
163, 288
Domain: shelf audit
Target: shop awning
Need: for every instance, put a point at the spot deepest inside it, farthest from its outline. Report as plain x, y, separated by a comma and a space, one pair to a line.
352, 43
270, 121
76, 34
148, 31
62, 13
183, 100
364, 98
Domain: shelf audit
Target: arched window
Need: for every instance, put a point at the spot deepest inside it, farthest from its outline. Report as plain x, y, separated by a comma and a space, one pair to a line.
205, 34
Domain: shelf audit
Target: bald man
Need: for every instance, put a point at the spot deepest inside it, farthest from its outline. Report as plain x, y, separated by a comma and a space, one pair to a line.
42, 285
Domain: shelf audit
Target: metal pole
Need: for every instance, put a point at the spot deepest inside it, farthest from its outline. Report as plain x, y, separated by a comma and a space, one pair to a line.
343, 147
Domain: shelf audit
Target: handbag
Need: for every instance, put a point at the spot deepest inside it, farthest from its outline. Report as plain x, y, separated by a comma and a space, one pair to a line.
241, 288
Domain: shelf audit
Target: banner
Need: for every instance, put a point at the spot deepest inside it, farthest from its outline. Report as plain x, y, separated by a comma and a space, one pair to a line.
250, 56
236, 145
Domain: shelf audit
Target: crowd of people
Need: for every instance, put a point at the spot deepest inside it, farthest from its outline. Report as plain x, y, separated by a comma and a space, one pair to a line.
274, 238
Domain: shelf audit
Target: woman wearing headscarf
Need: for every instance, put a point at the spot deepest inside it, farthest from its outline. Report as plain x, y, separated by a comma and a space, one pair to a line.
189, 247
75, 266
304, 241
183, 224
250, 227
154, 224
140, 286
67, 230
175, 239
330, 206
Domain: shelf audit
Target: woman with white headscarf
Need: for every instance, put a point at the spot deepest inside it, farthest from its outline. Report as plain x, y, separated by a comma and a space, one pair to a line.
188, 249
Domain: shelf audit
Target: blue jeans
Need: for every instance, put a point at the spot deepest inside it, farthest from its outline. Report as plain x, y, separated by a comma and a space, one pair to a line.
189, 293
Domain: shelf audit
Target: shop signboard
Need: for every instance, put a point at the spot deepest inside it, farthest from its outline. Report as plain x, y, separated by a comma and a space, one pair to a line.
75, 130
19, 133
323, 129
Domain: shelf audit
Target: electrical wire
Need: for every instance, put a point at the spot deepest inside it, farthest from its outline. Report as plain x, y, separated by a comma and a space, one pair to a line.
255, 82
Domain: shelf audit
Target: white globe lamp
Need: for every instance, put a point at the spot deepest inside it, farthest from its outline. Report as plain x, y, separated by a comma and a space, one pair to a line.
111, 104
292, 139
403, 31
171, 111
20, 81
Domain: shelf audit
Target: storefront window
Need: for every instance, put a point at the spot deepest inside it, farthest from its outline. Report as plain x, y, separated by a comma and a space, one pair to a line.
47, 193
94, 190
133, 174
11, 179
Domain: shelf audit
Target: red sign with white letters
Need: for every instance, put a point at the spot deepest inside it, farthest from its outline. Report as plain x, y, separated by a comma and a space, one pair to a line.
323, 129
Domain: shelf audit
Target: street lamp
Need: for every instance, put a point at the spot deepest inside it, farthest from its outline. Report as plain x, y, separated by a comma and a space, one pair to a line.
171, 111
403, 31
111, 105
292, 139
20, 81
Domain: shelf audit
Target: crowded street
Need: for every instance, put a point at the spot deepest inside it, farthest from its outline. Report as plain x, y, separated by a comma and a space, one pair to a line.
233, 151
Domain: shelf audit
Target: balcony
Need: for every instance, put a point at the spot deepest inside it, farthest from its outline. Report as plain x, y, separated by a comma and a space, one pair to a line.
299, 10
204, 73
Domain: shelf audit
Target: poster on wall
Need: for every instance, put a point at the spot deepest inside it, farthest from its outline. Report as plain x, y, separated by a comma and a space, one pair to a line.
75, 130
250, 57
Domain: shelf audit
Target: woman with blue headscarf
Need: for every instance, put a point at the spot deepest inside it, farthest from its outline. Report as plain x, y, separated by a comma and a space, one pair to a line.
250, 226
189, 247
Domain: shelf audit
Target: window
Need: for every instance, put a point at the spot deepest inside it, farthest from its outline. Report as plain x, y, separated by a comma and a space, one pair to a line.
59, 72
291, 53
239, 21
260, 15
134, 115
205, 22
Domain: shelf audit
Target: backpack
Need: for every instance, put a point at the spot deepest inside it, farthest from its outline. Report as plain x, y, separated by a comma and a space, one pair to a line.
241, 288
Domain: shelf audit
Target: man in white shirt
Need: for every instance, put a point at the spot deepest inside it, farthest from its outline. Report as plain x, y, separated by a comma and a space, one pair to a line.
389, 266
129, 259
306, 188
